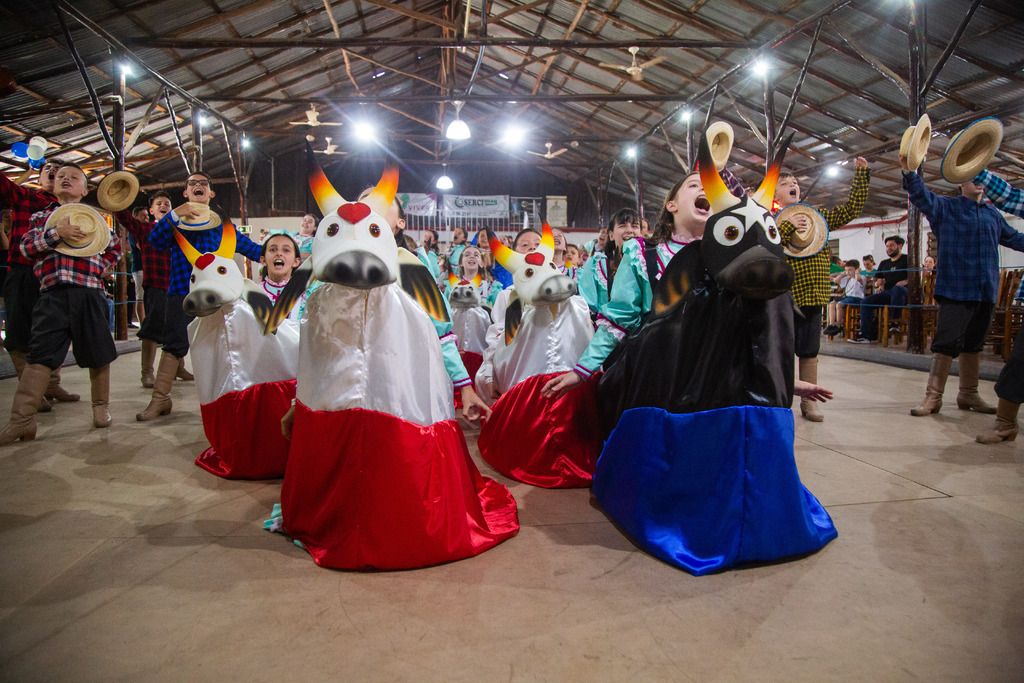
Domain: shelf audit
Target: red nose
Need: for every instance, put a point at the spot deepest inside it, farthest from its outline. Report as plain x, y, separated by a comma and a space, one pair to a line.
535, 259
354, 212
204, 260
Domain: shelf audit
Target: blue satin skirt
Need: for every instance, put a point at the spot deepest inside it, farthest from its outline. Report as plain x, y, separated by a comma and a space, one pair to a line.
709, 490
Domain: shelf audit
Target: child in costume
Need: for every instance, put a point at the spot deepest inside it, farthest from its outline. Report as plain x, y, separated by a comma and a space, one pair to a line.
699, 468
471, 265
373, 411
279, 257
200, 227
541, 441
245, 379
71, 246
594, 280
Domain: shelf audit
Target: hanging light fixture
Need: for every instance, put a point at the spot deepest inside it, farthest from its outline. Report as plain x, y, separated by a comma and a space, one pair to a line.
457, 129
444, 182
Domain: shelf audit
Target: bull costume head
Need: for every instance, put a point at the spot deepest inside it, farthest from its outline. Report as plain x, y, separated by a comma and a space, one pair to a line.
465, 293
536, 278
216, 279
742, 246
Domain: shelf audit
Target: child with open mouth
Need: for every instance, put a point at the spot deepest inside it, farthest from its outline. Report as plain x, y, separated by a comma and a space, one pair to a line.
279, 257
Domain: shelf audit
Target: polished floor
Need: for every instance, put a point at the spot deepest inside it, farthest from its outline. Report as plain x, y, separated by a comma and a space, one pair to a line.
121, 560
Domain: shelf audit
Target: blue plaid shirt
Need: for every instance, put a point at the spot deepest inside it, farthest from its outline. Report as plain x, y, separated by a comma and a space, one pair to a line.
1006, 198
969, 235
162, 237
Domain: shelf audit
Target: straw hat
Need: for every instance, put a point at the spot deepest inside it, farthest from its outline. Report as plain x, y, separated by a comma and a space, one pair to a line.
206, 218
971, 149
90, 221
118, 190
807, 241
720, 138
914, 145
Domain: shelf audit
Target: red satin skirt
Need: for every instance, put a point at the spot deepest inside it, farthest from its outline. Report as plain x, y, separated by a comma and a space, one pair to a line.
552, 443
367, 490
244, 430
472, 361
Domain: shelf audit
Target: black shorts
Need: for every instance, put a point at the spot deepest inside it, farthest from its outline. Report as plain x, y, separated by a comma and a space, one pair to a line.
68, 315
21, 291
807, 332
176, 326
154, 302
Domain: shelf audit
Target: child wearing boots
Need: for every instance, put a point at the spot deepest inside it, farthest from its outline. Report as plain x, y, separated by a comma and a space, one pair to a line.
71, 310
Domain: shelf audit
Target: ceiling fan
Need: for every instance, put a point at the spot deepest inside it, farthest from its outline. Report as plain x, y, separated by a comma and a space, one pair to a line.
549, 154
635, 70
331, 149
313, 119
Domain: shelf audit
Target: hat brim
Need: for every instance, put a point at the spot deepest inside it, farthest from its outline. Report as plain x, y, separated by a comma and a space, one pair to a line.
117, 190
720, 138
87, 218
919, 142
818, 224
971, 150
207, 222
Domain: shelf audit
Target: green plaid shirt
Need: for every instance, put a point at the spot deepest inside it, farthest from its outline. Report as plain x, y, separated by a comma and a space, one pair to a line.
812, 286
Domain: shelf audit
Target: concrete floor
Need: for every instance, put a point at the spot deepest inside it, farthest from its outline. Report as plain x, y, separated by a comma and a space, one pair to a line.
121, 560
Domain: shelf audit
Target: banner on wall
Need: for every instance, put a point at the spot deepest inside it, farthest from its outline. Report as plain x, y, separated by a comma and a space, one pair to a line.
557, 211
464, 206
418, 204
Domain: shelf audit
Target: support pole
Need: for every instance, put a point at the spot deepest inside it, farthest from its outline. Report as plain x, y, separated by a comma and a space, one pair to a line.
177, 133
915, 327
948, 52
799, 84
639, 194
197, 139
121, 279
769, 118
88, 84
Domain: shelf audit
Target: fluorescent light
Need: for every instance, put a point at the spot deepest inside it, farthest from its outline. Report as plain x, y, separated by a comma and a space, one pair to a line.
502, 75
379, 74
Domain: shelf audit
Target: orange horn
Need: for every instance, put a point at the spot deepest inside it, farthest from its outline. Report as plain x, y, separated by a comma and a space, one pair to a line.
714, 187
190, 252
380, 199
502, 254
765, 193
227, 241
452, 280
327, 198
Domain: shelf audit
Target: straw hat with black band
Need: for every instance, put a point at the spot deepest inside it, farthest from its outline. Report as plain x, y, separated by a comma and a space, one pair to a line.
808, 240
205, 219
118, 190
971, 149
88, 220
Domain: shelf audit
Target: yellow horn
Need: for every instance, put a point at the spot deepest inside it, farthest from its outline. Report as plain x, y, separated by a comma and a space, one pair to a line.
452, 280
477, 280
765, 193
714, 187
505, 257
227, 241
190, 252
380, 199
547, 241
327, 198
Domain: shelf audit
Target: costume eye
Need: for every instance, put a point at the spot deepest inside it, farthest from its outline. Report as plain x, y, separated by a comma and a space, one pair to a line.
552, 266
222, 270
193, 279
729, 230
374, 229
332, 229
529, 272
772, 230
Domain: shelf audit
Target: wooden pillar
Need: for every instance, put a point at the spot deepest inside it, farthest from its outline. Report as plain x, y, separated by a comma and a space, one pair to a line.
915, 327
121, 279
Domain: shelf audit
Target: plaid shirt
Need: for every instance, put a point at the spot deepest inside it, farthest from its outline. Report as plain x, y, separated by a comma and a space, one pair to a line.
969, 235
812, 286
1001, 194
156, 264
53, 268
162, 237
23, 202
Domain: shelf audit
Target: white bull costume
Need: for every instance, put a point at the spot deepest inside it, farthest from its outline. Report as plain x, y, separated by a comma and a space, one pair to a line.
379, 473
470, 321
552, 443
245, 380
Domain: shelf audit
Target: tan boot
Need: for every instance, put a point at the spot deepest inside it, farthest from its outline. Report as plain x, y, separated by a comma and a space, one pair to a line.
182, 373
20, 360
99, 381
969, 398
1005, 428
148, 356
932, 402
809, 373
55, 392
31, 387
160, 404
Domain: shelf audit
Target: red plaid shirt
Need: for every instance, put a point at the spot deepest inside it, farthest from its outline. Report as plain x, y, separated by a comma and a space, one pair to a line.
53, 268
156, 264
23, 202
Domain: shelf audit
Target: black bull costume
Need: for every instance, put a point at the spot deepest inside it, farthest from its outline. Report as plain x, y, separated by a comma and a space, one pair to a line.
699, 467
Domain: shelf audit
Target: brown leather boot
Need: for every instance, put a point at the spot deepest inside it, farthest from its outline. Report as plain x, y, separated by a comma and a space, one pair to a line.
809, 373
160, 404
1005, 428
932, 402
31, 387
20, 360
148, 356
99, 381
969, 398
55, 392
182, 373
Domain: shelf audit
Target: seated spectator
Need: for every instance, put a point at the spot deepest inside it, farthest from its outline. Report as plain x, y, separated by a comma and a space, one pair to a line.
890, 288
852, 283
